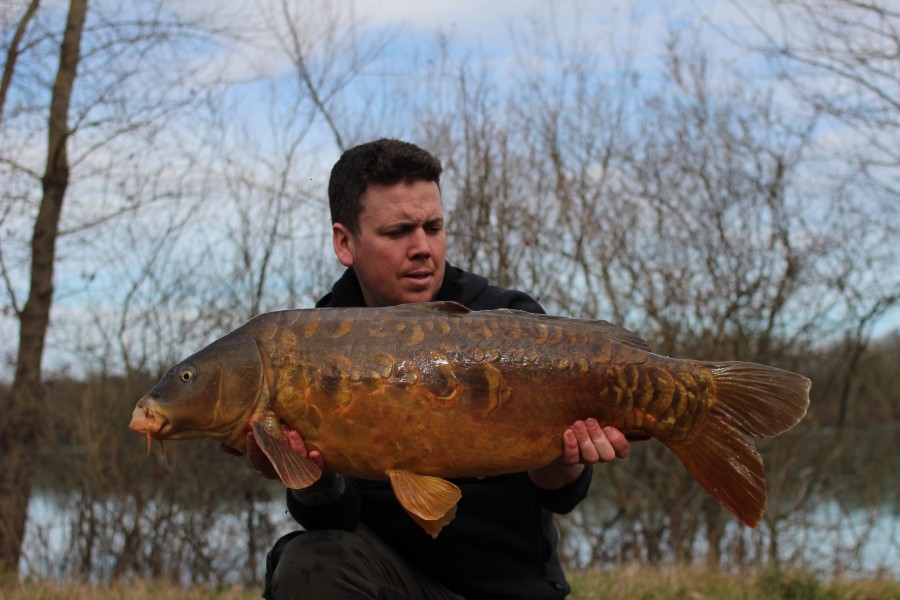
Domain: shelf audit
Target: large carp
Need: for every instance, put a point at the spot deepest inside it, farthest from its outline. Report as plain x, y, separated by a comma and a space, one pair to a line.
422, 392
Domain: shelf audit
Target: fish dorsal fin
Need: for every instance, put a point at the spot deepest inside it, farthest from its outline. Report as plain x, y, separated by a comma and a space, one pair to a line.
294, 471
441, 306
613, 332
430, 501
619, 334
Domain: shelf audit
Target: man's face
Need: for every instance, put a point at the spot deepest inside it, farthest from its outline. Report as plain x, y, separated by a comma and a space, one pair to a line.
398, 254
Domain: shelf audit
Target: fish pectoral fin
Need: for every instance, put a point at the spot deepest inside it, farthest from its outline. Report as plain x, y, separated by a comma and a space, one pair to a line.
430, 501
295, 471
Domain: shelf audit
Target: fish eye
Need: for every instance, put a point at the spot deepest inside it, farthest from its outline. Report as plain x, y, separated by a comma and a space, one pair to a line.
186, 376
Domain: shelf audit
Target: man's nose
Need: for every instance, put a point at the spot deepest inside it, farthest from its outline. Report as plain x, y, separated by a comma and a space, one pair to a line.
418, 243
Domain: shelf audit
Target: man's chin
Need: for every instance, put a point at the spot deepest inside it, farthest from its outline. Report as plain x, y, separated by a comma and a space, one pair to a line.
417, 295
415, 298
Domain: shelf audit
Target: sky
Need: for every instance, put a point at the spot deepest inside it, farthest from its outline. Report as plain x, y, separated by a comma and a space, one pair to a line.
483, 29
474, 26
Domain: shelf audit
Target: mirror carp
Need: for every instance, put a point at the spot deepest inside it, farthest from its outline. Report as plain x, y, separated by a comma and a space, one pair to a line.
420, 393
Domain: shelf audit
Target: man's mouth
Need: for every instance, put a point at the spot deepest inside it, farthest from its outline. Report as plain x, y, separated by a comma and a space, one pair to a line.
420, 277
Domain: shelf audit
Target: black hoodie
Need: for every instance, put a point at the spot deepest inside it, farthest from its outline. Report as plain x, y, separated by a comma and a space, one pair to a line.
502, 542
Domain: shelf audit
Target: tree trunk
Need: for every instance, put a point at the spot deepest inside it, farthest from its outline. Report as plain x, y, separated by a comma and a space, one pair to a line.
19, 430
12, 54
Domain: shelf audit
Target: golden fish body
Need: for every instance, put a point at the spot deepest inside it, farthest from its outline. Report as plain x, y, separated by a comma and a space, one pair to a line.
419, 393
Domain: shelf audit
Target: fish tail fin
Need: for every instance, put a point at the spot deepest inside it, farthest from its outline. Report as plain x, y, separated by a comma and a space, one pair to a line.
762, 400
751, 401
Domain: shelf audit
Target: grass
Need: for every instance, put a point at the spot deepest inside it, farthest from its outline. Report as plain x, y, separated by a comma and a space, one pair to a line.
688, 583
631, 583
139, 590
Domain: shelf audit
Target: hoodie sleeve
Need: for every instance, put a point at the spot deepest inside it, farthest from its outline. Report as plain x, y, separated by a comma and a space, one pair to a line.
566, 498
341, 513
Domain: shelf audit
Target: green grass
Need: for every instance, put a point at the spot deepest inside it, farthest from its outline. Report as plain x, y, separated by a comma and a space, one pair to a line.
628, 583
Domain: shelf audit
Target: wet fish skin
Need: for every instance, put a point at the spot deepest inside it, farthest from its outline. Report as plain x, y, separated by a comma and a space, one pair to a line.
420, 393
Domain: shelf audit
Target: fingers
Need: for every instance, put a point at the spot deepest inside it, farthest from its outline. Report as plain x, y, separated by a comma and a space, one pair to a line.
258, 459
586, 442
571, 454
618, 440
261, 463
594, 445
295, 441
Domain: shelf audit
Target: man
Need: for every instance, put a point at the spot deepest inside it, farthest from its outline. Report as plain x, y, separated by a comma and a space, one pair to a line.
388, 230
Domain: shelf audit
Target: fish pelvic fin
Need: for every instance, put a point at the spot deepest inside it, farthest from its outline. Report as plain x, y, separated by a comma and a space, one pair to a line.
295, 471
751, 400
430, 501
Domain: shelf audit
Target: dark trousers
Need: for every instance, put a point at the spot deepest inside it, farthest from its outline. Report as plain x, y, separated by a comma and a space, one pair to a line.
332, 564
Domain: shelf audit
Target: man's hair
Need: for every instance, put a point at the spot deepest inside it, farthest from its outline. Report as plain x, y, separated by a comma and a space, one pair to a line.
382, 162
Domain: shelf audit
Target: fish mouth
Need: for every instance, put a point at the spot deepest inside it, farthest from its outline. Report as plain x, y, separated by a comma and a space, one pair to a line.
149, 422
146, 420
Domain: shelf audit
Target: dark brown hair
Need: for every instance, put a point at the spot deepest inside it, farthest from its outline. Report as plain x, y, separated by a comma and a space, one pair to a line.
382, 162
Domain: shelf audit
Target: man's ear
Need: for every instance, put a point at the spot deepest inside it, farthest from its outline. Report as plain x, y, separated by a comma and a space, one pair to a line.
343, 244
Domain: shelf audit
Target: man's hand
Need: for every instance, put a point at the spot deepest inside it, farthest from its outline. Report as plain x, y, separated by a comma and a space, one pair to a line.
260, 462
584, 443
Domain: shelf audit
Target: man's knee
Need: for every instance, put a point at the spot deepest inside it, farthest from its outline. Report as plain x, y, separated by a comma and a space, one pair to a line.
308, 561
333, 563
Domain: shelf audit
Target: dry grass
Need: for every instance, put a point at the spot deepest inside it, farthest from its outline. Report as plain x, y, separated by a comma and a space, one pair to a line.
140, 590
689, 583
629, 583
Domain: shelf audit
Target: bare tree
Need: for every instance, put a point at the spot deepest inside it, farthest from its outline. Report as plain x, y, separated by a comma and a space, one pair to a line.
19, 431
841, 59
92, 112
12, 53
218, 230
272, 219
575, 125
487, 220
324, 45
717, 249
